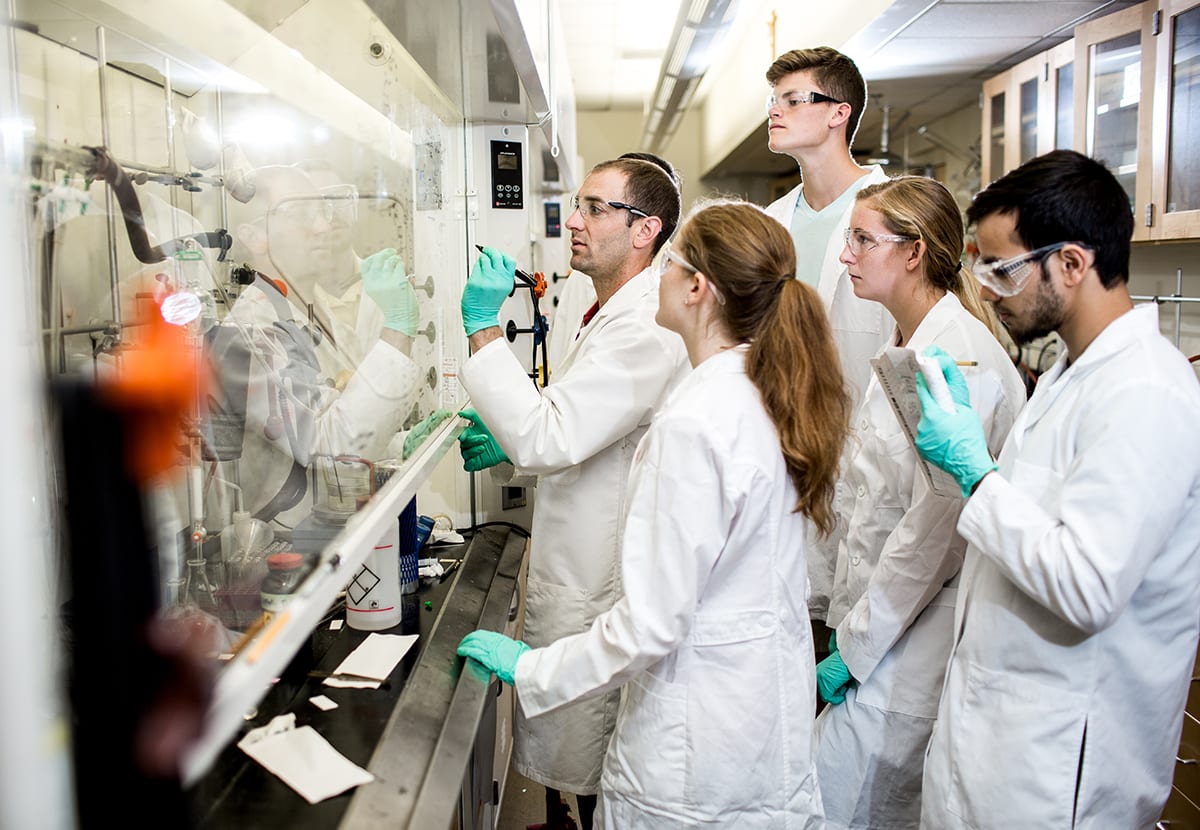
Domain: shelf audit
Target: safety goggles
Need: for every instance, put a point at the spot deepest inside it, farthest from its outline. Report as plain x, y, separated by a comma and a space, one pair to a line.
594, 208
667, 256
860, 241
793, 100
337, 204
1006, 277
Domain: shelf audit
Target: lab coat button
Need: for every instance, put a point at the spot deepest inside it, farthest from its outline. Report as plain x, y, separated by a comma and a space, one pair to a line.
767, 621
854, 560
864, 423
862, 491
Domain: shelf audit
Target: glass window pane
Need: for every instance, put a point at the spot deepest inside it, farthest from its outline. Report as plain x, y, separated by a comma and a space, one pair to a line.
997, 137
1029, 114
1115, 93
1183, 176
1064, 116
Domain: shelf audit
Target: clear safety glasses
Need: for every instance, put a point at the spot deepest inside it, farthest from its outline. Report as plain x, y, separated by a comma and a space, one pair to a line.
336, 205
1006, 277
594, 208
793, 100
667, 256
859, 241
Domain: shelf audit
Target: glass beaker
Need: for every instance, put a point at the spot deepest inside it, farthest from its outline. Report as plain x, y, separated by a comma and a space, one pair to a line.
347, 479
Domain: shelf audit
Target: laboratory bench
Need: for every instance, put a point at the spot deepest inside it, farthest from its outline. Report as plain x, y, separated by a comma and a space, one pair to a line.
428, 735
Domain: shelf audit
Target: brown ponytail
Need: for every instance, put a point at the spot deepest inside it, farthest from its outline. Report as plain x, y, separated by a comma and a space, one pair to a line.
793, 361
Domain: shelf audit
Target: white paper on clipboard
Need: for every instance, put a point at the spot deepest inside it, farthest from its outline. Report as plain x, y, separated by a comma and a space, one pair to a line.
897, 369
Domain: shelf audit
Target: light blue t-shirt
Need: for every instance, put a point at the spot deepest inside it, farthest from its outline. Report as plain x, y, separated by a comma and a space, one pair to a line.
812, 229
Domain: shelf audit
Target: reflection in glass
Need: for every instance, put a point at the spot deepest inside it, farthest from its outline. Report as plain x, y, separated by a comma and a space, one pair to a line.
997, 136
1114, 93
1064, 116
1029, 116
297, 270
1183, 176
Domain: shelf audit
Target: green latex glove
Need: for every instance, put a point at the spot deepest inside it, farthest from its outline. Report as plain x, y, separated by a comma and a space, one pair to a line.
495, 652
832, 640
388, 285
833, 679
417, 435
479, 449
491, 281
953, 441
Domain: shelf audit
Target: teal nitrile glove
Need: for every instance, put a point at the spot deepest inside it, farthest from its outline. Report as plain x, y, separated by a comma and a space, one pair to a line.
421, 431
479, 449
491, 281
832, 640
953, 441
386, 283
495, 652
833, 679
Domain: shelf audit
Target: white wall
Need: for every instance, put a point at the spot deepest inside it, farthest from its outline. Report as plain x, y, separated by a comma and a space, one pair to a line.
606, 135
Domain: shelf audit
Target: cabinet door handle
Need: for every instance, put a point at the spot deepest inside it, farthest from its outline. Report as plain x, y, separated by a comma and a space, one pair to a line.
1186, 761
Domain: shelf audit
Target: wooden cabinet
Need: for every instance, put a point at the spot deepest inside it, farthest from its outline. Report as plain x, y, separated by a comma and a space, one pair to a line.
1125, 90
1024, 113
1175, 152
1113, 96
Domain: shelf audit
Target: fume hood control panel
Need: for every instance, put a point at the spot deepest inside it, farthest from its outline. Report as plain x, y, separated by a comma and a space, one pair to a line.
507, 175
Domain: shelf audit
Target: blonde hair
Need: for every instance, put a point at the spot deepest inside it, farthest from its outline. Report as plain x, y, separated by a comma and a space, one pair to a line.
793, 362
923, 208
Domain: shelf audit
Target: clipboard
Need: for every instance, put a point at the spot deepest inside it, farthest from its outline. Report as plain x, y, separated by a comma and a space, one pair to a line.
897, 370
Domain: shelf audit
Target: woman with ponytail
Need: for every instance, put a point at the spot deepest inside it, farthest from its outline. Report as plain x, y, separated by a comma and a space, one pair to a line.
892, 606
712, 637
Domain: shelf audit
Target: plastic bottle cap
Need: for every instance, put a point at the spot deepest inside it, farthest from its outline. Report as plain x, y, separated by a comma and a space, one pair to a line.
284, 561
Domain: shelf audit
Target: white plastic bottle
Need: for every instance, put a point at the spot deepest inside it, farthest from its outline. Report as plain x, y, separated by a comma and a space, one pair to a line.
373, 596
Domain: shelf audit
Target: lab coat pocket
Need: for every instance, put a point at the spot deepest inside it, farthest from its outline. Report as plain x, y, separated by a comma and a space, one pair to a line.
1041, 484
908, 680
735, 728
898, 462
553, 611
1004, 715
647, 759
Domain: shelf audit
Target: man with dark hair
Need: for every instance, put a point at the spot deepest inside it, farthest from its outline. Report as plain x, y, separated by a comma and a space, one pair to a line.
1076, 615
578, 295
813, 110
577, 435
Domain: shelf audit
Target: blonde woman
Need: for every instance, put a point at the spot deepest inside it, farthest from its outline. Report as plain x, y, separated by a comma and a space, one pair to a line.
892, 607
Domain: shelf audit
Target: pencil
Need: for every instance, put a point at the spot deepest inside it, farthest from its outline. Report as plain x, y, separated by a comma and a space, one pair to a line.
967, 363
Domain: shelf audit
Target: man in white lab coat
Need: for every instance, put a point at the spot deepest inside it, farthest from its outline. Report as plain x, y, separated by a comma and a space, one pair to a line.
578, 436
813, 111
1076, 624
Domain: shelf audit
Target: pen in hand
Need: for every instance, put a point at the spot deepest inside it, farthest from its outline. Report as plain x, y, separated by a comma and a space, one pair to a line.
521, 275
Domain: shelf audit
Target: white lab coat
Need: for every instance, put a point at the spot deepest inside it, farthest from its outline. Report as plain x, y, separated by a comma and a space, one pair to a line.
1077, 621
578, 436
893, 596
290, 380
712, 635
574, 299
860, 328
